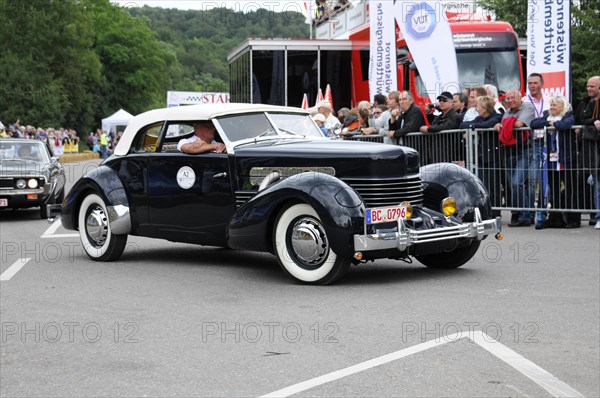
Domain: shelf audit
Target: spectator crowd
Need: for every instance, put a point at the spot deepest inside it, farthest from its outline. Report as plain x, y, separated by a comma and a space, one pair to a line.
531, 154
62, 141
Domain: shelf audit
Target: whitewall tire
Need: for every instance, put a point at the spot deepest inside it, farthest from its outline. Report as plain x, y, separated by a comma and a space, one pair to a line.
98, 241
302, 247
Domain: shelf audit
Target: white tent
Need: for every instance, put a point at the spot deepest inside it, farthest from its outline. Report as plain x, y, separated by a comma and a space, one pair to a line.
119, 118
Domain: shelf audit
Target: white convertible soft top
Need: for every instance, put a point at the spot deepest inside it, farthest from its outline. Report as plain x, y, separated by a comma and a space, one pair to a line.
191, 113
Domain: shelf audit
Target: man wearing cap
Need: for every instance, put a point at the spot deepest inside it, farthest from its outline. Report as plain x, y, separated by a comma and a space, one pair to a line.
448, 119
331, 122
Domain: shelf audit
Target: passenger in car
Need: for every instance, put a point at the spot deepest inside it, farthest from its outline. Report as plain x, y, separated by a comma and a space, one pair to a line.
202, 141
25, 153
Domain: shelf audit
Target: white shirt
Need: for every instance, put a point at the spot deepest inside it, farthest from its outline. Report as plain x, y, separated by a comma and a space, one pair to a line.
540, 107
470, 114
193, 138
332, 123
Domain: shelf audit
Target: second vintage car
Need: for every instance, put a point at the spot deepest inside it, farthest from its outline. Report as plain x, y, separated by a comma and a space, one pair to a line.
317, 204
29, 175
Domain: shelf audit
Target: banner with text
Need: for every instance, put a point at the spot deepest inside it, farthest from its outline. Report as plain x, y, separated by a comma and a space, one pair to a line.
178, 98
548, 44
383, 70
426, 29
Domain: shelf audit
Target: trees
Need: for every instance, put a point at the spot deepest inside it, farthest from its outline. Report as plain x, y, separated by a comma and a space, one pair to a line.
47, 64
72, 62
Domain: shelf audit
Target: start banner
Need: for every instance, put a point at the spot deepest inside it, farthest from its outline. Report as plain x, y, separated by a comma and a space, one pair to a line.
178, 98
548, 44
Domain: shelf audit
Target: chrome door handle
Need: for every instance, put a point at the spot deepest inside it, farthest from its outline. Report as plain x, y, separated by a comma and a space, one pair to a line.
220, 175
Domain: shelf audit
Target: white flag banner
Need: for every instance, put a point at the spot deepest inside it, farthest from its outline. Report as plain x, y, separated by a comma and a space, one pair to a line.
426, 29
383, 70
548, 43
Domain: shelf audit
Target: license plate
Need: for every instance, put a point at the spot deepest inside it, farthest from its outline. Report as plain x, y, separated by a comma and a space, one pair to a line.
3, 202
385, 214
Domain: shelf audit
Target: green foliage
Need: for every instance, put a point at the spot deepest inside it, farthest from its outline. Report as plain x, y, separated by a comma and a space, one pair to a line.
47, 63
72, 62
203, 39
585, 35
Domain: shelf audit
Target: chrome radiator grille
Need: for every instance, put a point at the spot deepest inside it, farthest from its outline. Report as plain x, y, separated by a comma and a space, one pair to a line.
378, 192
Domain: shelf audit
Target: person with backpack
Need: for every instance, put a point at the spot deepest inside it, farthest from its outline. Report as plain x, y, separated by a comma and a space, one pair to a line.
518, 151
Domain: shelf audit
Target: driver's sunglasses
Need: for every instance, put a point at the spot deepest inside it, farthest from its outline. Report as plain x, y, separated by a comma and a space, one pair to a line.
443, 100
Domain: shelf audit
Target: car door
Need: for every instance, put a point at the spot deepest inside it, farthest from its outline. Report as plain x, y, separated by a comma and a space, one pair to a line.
190, 196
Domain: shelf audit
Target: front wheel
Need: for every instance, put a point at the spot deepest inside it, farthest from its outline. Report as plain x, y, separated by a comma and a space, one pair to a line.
452, 259
302, 247
98, 241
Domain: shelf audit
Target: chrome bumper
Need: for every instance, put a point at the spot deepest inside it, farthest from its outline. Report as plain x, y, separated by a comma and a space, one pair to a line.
45, 190
405, 237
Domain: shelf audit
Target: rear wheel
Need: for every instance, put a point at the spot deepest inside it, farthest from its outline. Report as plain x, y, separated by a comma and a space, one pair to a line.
452, 259
302, 247
98, 241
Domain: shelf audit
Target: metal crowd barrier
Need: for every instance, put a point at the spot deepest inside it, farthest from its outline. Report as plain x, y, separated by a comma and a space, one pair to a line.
520, 177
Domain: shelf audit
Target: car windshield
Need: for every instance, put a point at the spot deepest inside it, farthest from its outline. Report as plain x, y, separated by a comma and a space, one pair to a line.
255, 125
23, 151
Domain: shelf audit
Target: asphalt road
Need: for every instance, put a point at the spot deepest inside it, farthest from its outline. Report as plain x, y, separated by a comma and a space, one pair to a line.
521, 319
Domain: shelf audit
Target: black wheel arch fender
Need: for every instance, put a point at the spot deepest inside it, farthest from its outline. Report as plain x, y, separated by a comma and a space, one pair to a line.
340, 208
447, 179
105, 182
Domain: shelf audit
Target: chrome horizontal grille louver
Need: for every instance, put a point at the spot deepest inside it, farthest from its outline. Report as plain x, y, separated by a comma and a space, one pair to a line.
242, 197
378, 192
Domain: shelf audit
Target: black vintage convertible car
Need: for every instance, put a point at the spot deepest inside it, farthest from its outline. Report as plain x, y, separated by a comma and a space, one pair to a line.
29, 176
318, 204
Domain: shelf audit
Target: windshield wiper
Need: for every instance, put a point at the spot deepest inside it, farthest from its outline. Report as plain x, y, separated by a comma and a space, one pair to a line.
269, 131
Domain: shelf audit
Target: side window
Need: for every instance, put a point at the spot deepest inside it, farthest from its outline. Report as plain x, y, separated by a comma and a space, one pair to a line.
176, 132
147, 138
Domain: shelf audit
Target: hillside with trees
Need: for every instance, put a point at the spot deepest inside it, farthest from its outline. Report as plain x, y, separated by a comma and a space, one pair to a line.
72, 62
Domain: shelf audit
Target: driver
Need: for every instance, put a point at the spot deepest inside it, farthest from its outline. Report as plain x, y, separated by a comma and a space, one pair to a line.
202, 141
25, 152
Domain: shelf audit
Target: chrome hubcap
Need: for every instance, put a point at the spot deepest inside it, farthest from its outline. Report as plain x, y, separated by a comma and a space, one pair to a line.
96, 226
309, 242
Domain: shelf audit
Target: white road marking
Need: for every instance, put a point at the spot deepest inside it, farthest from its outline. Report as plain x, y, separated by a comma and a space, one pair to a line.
60, 236
338, 374
538, 375
49, 234
13, 269
53, 227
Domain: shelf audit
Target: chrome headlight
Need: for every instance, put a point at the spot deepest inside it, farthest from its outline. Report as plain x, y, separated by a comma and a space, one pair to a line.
32, 183
21, 183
